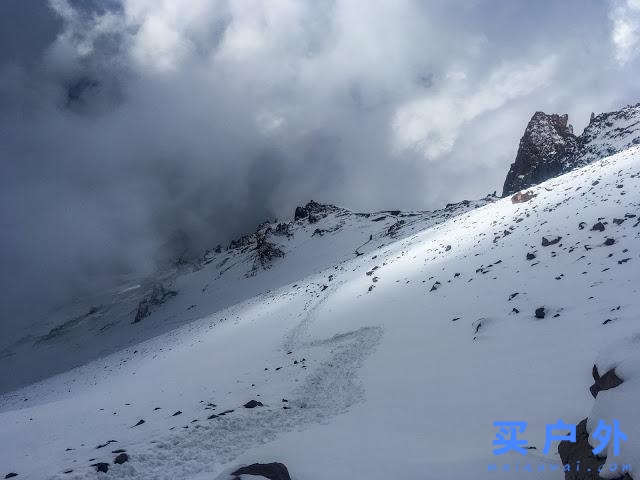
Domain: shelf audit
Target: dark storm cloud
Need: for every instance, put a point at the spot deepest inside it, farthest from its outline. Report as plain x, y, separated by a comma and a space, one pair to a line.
126, 124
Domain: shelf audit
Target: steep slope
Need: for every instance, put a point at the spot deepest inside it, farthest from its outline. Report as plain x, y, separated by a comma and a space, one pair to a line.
549, 148
276, 254
391, 364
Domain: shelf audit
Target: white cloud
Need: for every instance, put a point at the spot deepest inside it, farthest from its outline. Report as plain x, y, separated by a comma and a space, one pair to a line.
431, 125
625, 34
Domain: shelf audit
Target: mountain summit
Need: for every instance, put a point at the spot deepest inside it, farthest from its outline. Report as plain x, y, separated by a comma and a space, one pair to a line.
549, 147
547, 143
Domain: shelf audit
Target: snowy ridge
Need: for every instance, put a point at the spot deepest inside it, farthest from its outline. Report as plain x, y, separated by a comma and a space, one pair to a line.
608, 133
549, 147
276, 254
397, 360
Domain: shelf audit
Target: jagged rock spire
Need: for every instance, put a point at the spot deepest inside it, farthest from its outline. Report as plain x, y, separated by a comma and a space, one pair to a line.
547, 143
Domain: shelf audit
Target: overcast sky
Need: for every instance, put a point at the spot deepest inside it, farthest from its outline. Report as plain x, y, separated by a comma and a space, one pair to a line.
123, 122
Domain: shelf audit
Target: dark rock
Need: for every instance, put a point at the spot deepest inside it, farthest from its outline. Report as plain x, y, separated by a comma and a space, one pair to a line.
580, 451
604, 382
141, 422
177, 413
540, 312
252, 404
11, 475
548, 147
283, 229
531, 256
101, 467
598, 227
314, 211
300, 213
271, 471
609, 241
547, 142
546, 242
120, 459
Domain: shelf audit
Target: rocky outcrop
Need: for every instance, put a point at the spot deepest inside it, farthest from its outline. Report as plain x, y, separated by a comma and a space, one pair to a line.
603, 382
158, 295
265, 253
580, 452
549, 148
608, 133
314, 211
547, 143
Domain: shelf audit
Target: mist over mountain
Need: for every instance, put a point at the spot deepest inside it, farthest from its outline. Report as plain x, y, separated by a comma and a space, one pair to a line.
135, 130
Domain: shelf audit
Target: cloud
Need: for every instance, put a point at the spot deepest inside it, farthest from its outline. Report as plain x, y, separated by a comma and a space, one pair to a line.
625, 16
431, 125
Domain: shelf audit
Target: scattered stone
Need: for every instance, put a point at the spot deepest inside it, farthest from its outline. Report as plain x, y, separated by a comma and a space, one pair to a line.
531, 256
11, 475
101, 467
540, 312
546, 242
271, 471
252, 404
598, 227
609, 241
120, 459
177, 413
101, 445
604, 382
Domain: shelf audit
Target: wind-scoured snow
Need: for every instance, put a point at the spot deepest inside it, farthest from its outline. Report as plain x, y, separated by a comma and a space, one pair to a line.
392, 362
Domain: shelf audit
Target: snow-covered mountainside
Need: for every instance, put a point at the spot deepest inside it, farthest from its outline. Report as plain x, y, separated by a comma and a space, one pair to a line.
380, 350
549, 147
276, 254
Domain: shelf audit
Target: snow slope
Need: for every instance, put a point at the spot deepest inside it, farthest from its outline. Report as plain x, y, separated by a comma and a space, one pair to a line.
394, 364
92, 327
